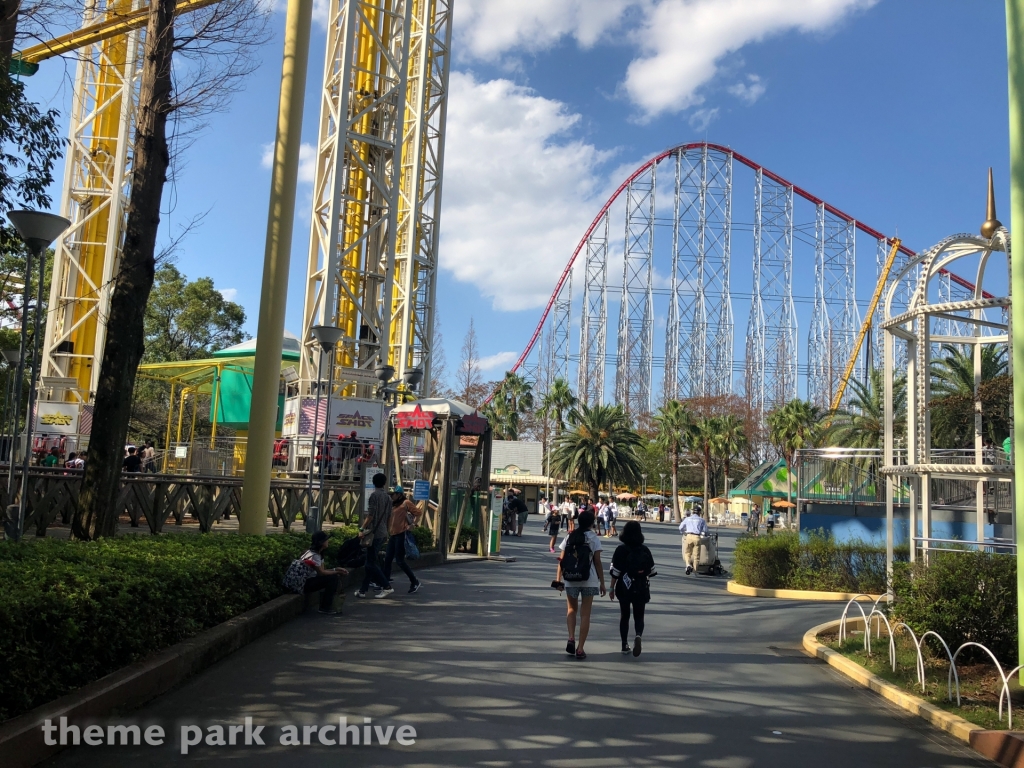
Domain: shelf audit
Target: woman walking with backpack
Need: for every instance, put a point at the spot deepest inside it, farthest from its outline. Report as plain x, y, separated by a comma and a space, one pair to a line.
632, 568
580, 566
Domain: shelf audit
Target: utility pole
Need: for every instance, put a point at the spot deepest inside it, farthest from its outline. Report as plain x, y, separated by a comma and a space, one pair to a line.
1015, 58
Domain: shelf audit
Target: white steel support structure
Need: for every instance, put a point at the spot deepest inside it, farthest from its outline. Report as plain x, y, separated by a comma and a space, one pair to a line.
699, 344
771, 366
835, 319
419, 213
351, 266
94, 198
562, 332
594, 316
634, 361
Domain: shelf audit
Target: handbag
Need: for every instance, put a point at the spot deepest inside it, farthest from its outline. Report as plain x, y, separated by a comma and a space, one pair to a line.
366, 539
412, 552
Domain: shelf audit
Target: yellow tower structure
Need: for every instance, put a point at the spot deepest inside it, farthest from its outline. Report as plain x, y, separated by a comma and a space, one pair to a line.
376, 196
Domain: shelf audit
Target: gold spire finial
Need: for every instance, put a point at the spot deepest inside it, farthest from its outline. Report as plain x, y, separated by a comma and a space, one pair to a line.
991, 222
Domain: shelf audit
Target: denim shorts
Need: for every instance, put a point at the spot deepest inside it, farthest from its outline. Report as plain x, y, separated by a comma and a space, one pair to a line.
582, 591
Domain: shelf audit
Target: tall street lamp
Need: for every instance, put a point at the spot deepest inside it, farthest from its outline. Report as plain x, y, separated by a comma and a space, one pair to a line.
327, 336
661, 488
644, 476
38, 230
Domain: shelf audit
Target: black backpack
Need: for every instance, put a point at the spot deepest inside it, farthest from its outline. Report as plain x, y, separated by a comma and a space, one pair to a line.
576, 558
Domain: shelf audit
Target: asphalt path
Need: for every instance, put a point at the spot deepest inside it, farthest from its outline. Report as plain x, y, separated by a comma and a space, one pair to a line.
475, 663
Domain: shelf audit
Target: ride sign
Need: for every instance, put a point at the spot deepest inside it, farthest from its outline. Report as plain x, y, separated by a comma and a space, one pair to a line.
420, 490
415, 419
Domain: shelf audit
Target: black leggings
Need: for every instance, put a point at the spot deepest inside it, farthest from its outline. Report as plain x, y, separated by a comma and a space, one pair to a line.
638, 604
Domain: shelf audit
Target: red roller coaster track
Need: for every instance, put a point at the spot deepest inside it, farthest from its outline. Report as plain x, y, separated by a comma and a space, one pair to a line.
745, 161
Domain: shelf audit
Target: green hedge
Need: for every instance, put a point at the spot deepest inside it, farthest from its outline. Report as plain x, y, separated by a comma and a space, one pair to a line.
965, 597
72, 612
785, 561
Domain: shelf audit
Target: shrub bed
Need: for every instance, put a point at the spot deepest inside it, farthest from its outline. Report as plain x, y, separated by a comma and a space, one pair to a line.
73, 612
965, 597
816, 561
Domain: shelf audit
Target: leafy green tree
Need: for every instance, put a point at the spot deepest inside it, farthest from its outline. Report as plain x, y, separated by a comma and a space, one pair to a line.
189, 320
601, 444
673, 421
794, 426
953, 398
557, 405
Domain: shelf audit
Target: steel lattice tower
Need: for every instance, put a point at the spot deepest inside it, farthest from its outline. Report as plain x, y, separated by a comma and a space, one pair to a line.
835, 319
594, 316
634, 363
699, 341
771, 366
562, 332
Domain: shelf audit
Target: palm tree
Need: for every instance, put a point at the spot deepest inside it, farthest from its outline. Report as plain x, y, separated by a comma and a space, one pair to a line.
731, 439
862, 423
558, 404
954, 373
792, 427
701, 439
600, 445
673, 420
512, 399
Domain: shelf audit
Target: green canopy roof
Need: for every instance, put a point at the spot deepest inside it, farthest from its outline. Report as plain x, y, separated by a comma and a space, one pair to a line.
769, 479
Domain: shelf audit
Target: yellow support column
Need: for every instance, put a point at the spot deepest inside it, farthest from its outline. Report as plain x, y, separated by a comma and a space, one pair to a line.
270, 331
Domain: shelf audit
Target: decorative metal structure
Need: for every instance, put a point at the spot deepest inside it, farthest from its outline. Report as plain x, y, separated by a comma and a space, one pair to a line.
976, 477
562, 333
691, 295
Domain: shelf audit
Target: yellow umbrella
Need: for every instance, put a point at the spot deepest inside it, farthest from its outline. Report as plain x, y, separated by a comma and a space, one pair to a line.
787, 504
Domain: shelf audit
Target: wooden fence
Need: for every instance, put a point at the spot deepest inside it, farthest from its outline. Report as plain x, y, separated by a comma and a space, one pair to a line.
152, 500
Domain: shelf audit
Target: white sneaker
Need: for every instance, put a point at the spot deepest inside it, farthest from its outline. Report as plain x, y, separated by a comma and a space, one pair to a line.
360, 593
384, 593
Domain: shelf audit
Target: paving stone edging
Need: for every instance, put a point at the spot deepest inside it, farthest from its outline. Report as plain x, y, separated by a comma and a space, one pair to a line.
21, 740
1004, 747
797, 594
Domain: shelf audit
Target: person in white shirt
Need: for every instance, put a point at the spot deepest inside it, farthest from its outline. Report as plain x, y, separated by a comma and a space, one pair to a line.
580, 595
693, 528
612, 514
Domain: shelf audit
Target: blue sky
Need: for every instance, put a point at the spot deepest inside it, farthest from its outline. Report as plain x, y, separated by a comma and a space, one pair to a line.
891, 110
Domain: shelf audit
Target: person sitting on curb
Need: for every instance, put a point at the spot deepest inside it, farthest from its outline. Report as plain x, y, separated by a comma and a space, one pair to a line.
309, 572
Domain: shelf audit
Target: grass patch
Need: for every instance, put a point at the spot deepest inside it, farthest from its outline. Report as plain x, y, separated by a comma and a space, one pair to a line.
980, 683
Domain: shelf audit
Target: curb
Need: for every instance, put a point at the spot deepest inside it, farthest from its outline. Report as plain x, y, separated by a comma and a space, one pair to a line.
797, 594
955, 725
130, 687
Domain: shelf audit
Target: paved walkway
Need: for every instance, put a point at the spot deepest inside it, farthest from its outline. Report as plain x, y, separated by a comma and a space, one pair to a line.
475, 662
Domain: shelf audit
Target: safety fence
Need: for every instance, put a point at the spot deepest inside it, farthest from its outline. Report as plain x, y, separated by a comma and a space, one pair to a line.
154, 500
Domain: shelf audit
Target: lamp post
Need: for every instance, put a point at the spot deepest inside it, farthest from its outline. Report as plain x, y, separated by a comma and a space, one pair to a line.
13, 357
661, 488
38, 230
327, 336
644, 491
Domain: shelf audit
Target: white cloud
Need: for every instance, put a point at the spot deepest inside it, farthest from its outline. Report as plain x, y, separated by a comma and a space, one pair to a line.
702, 118
307, 161
682, 42
750, 91
487, 29
229, 294
499, 360
518, 191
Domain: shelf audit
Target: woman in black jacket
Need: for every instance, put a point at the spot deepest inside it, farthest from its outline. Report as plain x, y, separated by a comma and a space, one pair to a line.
632, 568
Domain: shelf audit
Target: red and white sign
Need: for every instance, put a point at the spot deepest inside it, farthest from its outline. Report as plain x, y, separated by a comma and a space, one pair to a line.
417, 418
